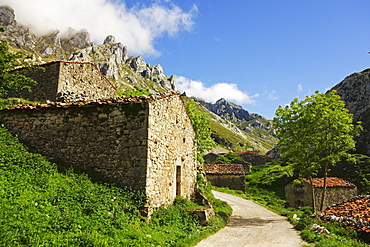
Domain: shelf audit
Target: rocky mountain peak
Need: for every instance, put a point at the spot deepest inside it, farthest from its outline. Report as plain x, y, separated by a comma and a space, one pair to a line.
221, 101
233, 111
110, 39
7, 15
52, 44
111, 58
107, 56
79, 39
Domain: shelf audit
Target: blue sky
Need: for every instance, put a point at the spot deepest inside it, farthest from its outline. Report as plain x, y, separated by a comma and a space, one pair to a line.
256, 53
277, 50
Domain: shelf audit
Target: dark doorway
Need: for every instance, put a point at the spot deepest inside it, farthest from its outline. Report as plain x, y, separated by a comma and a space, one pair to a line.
178, 180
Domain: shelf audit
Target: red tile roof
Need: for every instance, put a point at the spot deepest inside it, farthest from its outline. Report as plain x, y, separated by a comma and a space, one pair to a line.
233, 169
354, 213
239, 153
331, 182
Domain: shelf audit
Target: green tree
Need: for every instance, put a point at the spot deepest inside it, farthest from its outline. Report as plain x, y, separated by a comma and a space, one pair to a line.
12, 81
315, 134
201, 124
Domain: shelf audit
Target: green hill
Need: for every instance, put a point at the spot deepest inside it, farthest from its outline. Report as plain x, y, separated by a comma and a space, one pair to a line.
229, 134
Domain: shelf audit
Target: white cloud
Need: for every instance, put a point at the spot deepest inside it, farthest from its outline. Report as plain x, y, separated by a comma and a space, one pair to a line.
215, 92
300, 88
270, 95
136, 27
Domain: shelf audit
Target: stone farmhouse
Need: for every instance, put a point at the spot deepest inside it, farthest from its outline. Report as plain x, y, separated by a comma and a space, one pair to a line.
298, 193
230, 176
143, 142
68, 81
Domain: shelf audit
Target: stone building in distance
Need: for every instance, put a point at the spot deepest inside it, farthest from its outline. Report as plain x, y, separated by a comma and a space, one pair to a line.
298, 193
230, 176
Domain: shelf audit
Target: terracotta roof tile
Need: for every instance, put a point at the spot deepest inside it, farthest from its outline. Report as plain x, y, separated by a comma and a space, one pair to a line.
231, 169
354, 213
331, 182
239, 153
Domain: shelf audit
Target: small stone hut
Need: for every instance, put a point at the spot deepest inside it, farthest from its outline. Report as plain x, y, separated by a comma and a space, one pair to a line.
230, 176
298, 193
67, 81
142, 142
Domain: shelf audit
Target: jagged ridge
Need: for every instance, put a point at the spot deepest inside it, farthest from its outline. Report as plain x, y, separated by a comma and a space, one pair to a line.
238, 130
111, 58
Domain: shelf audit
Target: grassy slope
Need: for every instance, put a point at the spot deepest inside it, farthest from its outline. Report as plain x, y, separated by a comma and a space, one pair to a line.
253, 141
43, 207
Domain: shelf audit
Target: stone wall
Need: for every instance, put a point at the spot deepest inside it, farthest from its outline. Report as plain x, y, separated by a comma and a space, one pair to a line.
172, 154
231, 181
140, 142
83, 81
47, 87
230, 176
106, 141
301, 195
68, 81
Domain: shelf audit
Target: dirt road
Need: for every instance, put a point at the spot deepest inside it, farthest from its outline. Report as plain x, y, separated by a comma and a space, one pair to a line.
252, 225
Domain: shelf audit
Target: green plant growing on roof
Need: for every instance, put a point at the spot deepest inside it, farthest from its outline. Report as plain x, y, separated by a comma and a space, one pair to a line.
132, 93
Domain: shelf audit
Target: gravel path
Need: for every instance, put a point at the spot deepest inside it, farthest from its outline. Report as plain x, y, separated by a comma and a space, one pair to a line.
252, 225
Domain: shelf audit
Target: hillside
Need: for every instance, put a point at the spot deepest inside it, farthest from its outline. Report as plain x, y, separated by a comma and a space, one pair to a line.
236, 129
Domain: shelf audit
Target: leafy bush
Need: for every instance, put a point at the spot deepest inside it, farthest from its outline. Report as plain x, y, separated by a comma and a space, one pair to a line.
201, 124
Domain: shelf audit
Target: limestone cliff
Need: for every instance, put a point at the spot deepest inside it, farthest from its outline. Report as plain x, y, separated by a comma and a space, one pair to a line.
54, 45
355, 91
126, 71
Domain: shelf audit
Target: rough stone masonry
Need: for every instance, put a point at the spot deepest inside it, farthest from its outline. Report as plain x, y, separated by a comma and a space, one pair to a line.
143, 142
68, 81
